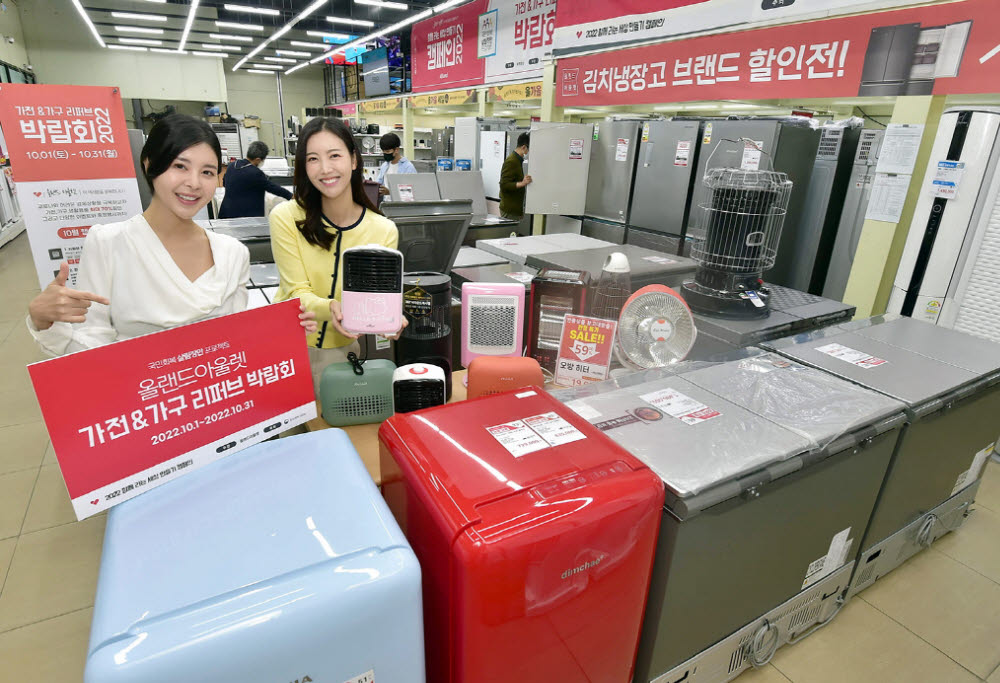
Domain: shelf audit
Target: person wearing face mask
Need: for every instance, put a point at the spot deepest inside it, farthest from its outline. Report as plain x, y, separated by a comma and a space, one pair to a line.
393, 160
329, 213
513, 181
158, 269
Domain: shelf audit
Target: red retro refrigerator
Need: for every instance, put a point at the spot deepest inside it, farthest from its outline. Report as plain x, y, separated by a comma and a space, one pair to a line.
535, 534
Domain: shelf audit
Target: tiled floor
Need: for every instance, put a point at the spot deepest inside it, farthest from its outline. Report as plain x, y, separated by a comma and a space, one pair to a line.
935, 619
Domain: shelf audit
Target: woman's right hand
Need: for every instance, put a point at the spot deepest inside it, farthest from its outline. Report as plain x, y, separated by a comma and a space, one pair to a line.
59, 303
336, 317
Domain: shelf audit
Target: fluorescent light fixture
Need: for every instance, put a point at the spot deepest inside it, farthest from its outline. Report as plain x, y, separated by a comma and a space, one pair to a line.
313, 6
292, 53
227, 36
127, 47
138, 17
260, 71
238, 26
252, 10
210, 46
267, 66
220, 55
447, 5
383, 3
299, 43
333, 36
168, 51
139, 29
140, 41
88, 22
279, 59
187, 24
354, 22
296, 68
158, 2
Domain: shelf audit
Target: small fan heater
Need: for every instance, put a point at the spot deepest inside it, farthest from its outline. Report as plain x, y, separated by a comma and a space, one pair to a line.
417, 386
492, 320
427, 337
491, 375
372, 293
351, 399
554, 293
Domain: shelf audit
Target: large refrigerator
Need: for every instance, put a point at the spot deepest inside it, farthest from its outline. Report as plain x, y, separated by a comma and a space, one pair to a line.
559, 162
789, 145
852, 217
612, 169
468, 138
661, 195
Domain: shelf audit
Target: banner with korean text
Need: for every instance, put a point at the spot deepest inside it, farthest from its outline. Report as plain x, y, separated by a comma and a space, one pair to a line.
845, 57
72, 164
130, 416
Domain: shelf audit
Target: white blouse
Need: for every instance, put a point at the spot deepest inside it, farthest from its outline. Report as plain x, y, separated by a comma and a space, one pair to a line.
127, 263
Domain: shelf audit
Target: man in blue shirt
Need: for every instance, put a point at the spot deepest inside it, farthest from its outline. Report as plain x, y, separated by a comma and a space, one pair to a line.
246, 184
394, 161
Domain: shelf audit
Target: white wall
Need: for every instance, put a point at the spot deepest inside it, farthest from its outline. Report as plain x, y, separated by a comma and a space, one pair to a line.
258, 94
10, 25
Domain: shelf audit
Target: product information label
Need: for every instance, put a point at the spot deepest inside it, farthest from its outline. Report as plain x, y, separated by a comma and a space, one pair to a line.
972, 474
947, 178
645, 132
684, 408
835, 558
682, 157
584, 410
662, 260
521, 276
751, 155
535, 433
576, 149
367, 677
406, 193
554, 429
849, 355
621, 149
381, 343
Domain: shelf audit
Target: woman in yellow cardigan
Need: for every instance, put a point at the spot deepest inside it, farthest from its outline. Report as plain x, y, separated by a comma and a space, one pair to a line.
328, 213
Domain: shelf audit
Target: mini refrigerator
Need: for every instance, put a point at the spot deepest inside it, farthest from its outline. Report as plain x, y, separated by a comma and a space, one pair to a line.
950, 383
535, 533
771, 475
274, 564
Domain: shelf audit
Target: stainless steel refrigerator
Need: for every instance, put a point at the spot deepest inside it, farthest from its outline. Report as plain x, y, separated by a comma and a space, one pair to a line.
613, 157
559, 161
889, 60
789, 145
852, 217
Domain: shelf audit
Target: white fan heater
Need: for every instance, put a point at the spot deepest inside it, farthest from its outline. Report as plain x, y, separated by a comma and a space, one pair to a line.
655, 328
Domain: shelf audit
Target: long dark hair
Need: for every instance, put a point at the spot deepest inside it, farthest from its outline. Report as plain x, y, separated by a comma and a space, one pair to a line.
169, 137
306, 194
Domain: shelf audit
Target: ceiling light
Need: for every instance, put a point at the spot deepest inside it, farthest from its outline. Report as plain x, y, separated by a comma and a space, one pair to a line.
267, 66
253, 10
283, 30
140, 41
90, 24
220, 55
127, 47
299, 43
383, 3
292, 53
159, 2
226, 36
260, 71
139, 29
279, 59
355, 22
332, 36
210, 46
238, 26
139, 17
167, 50
447, 5
187, 24
296, 68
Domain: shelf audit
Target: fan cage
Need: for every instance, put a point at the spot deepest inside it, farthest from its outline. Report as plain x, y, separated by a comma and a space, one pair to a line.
636, 343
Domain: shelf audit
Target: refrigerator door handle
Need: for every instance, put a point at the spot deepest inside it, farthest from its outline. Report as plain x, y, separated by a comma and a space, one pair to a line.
649, 154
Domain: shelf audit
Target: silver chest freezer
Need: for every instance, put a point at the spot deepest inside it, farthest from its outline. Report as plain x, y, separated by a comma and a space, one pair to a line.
647, 267
771, 471
275, 564
952, 399
518, 249
470, 256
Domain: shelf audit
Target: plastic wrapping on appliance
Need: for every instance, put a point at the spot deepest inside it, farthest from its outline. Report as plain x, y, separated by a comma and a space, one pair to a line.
851, 122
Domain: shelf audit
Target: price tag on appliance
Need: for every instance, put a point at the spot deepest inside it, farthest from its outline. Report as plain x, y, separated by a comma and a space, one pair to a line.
406, 193
947, 178
621, 149
576, 149
518, 438
844, 353
521, 276
682, 156
970, 475
751, 155
662, 260
584, 350
684, 408
554, 429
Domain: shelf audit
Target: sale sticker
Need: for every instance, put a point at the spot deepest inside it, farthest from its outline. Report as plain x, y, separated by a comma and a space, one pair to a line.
584, 350
151, 409
859, 358
684, 408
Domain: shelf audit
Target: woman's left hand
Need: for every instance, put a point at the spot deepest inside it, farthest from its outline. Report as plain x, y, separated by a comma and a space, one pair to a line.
308, 320
394, 337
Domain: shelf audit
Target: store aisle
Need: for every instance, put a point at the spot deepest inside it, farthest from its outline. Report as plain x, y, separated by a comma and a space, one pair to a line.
935, 619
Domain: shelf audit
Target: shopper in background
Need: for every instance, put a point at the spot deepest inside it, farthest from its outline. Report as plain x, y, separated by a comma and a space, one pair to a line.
246, 184
158, 269
513, 181
330, 212
394, 161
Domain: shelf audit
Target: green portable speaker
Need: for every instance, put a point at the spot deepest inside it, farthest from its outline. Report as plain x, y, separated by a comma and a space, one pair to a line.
351, 399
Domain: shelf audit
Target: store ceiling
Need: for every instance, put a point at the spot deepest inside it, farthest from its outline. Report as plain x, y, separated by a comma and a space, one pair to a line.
159, 25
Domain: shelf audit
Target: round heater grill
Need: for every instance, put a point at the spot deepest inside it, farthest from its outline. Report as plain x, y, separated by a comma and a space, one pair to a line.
655, 329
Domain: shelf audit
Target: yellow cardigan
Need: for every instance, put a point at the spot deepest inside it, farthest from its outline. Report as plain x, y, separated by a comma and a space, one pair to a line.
305, 269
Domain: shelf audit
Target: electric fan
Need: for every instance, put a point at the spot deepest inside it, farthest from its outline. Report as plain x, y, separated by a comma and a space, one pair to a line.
656, 328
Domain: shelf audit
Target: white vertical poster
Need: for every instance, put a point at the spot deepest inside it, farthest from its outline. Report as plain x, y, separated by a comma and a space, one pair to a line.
72, 163
523, 39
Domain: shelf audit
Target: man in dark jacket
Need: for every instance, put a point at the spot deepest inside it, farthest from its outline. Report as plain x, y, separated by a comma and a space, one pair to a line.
513, 181
246, 184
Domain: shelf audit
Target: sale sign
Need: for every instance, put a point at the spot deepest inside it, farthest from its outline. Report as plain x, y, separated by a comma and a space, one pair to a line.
70, 157
130, 416
584, 350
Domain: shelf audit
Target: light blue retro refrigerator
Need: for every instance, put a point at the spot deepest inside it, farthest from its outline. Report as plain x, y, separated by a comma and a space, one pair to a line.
273, 565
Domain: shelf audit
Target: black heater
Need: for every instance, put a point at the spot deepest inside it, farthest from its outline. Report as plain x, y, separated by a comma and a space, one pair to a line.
427, 337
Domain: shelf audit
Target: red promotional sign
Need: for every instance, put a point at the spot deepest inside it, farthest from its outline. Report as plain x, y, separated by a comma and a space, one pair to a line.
578, 12
177, 401
584, 350
445, 49
831, 58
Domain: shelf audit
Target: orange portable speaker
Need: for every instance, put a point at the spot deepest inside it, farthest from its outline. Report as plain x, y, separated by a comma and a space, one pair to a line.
495, 374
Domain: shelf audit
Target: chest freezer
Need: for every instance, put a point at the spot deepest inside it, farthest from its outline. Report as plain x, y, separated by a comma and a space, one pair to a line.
499, 272
771, 474
409, 187
254, 232
952, 430
470, 256
535, 533
646, 267
275, 564
518, 249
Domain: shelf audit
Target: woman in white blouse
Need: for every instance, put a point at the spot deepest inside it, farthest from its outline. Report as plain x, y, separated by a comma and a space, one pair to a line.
156, 270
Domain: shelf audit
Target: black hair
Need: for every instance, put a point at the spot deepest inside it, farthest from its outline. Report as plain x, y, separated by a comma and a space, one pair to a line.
257, 150
310, 198
522, 140
170, 136
389, 141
